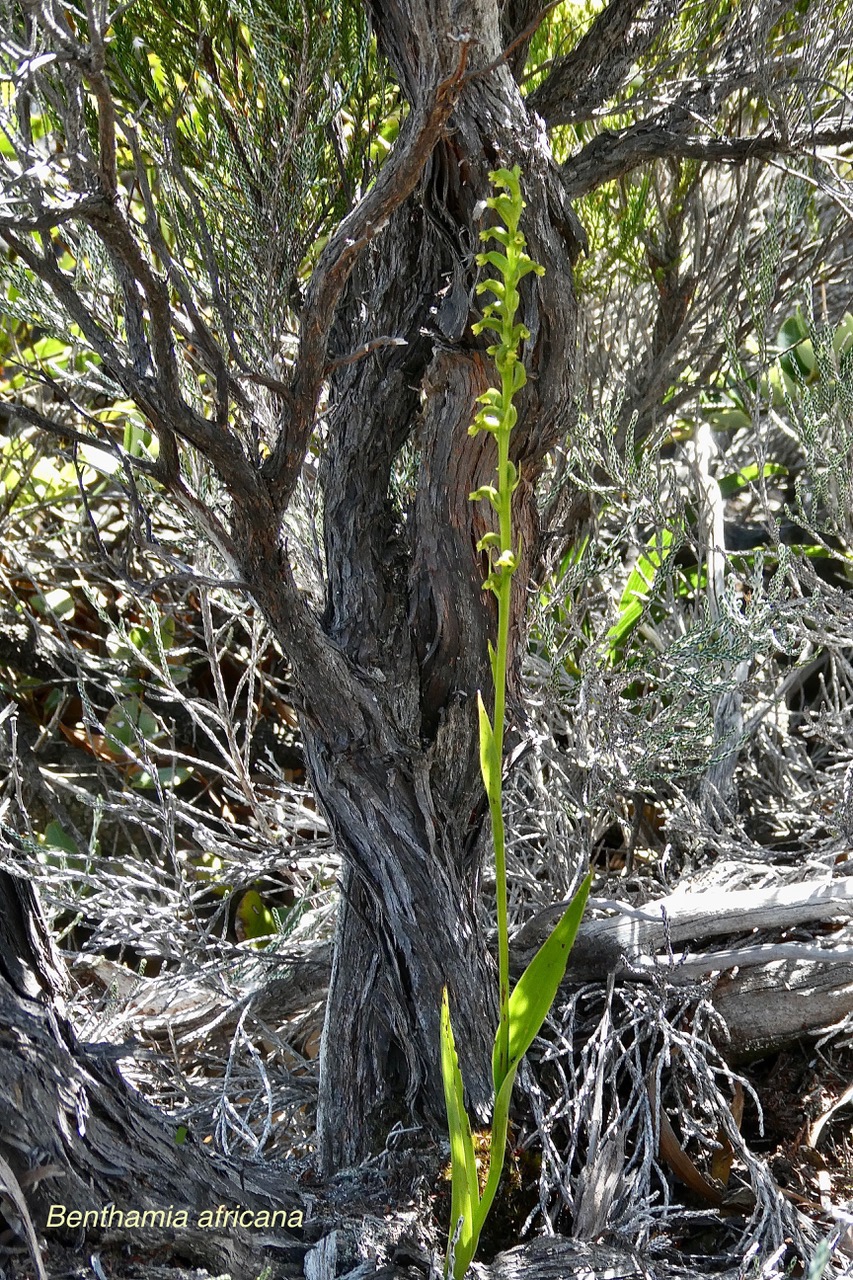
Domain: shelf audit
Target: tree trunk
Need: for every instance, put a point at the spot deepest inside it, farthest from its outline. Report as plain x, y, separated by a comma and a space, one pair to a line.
406, 928
389, 686
388, 672
73, 1133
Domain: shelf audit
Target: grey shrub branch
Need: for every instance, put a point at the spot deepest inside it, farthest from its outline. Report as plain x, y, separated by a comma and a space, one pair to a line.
418, 137
612, 155
601, 61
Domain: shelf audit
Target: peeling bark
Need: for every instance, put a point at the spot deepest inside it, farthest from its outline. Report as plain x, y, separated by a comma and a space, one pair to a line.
74, 1132
400, 786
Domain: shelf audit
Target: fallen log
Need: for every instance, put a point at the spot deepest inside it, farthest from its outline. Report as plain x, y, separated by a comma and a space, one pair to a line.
767, 1008
768, 993
630, 935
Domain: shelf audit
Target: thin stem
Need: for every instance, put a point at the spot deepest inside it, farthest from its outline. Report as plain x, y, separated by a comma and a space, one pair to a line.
498, 417
504, 594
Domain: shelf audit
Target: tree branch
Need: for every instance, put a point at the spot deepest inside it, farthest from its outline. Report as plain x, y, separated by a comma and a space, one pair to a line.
515, 51
610, 155
97, 21
397, 180
62, 431
520, 19
54, 216
366, 348
159, 396
601, 61
47, 270
208, 348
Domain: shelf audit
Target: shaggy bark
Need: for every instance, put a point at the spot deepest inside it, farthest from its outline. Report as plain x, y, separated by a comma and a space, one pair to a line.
73, 1132
389, 677
383, 381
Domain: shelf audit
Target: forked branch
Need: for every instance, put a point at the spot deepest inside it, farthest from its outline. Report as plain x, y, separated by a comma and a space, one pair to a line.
418, 137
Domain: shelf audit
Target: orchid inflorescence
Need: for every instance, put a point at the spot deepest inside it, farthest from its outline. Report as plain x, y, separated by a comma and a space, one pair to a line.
523, 1011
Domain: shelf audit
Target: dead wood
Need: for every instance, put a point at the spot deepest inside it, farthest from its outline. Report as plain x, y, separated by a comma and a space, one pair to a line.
769, 992
546, 1258
73, 1132
175, 1008
632, 935
766, 1008
555, 1258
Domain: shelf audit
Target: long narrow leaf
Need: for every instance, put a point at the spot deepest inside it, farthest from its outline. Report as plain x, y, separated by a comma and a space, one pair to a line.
535, 990
464, 1187
529, 1003
752, 474
497, 1155
638, 588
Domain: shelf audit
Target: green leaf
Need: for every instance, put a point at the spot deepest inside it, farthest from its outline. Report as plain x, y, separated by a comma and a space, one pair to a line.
50, 348
535, 990
635, 596
465, 1195
254, 920
842, 339
493, 657
799, 362
129, 721
59, 602
732, 484
491, 777
56, 837
497, 1156
728, 419
793, 330
165, 776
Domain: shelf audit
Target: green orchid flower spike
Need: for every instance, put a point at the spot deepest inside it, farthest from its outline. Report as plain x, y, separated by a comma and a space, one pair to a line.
523, 1011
